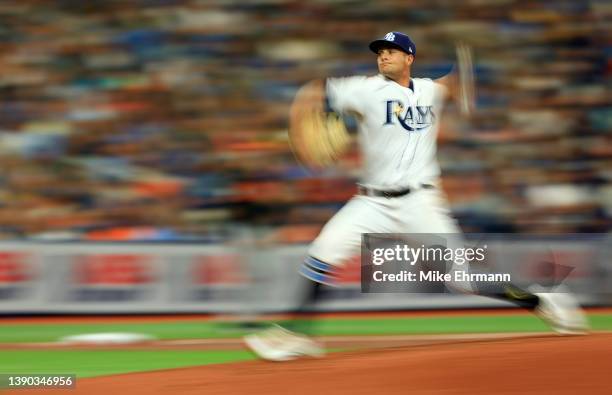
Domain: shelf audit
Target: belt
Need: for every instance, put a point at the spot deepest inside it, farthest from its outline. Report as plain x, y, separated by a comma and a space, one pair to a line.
390, 194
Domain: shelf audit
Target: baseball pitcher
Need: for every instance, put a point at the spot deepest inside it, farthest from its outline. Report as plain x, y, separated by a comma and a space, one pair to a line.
398, 118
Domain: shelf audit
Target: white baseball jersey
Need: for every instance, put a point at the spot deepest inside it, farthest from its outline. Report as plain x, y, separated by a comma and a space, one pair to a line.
398, 127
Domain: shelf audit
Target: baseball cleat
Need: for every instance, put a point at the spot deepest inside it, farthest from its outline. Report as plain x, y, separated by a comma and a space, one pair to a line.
561, 311
279, 344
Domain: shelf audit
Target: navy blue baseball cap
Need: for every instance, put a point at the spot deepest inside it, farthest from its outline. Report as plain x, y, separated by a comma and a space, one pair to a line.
394, 39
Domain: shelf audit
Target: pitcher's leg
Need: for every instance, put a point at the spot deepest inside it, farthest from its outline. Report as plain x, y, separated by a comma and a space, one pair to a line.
429, 214
559, 309
339, 241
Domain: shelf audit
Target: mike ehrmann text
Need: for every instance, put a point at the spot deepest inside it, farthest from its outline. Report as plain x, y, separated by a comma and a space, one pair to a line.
406, 276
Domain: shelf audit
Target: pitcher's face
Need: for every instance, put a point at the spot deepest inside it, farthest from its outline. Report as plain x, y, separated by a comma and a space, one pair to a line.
392, 62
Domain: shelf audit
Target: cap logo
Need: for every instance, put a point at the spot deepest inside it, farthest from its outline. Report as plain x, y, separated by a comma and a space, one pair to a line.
390, 37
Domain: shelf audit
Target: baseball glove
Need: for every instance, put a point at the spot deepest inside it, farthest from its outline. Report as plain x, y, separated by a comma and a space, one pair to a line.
317, 137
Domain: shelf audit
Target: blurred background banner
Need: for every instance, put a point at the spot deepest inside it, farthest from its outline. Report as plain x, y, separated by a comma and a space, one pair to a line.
169, 278
119, 278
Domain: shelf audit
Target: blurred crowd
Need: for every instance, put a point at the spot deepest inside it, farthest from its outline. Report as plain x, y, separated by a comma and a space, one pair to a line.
167, 120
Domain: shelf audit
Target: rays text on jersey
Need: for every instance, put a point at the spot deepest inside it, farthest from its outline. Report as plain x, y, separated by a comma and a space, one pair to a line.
407, 117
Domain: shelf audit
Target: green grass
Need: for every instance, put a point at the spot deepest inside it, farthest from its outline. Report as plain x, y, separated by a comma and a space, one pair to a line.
425, 325
87, 363
328, 326
441, 325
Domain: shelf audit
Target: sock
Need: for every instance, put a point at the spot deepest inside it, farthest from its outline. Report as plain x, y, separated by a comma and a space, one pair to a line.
508, 292
302, 318
315, 273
